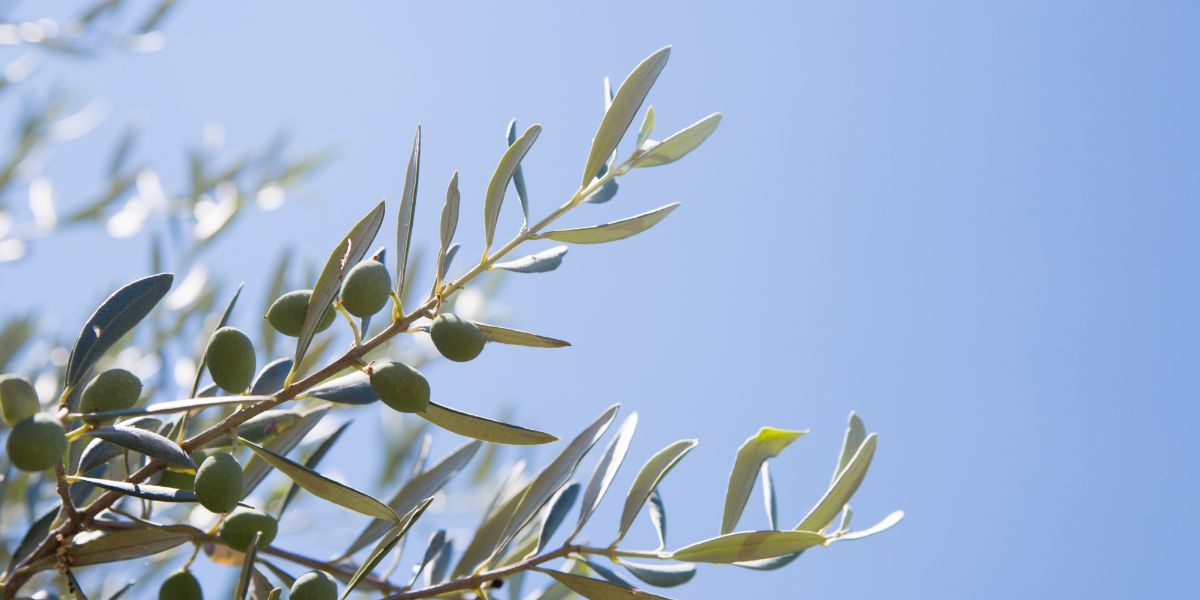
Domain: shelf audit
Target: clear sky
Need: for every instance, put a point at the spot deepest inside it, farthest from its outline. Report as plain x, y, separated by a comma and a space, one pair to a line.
971, 222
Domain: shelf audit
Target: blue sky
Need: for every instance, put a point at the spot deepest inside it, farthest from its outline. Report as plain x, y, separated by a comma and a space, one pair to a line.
970, 222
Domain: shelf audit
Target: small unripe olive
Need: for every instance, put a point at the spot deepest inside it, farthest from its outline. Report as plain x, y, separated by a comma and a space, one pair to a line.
181, 585
286, 313
114, 389
18, 399
218, 483
366, 289
36, 443
239, 527
230, 359
400, 386
457, 339
314, 585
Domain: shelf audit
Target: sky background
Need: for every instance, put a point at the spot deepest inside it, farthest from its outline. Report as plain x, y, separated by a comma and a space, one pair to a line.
969, 222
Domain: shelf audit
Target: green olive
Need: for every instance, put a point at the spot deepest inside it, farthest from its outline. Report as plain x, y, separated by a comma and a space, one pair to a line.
114, 389
218, 483
366, 289
314, 585
230, 359
456, 338
400, 386
238, 529
36, 443
286, 313
18, 399
182, 479
181, 585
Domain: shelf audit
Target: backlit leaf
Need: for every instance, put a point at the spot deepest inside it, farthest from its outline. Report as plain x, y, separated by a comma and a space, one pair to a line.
255, 469
842, 490
647, 127
606, 470
242, 588
482, 429
887, 523
546, 260
679, 145
648, 479
449, 224
385, 545
270, 379
498, 185
856, 433
114, 546
514, 337
748, 545
611, 232
597, 589
404, 219
311, 462
352, 388
661, 575
519, 175
115, 317
624, 108
560, 505
767, 443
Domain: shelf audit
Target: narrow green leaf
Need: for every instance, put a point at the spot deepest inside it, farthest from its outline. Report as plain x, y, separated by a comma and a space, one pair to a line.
560, 505
519, 176
313, 460
597, 589
767, 443
498, 185
404, 219
606, 470
99, 453
887, 523
661, 575
255, 469
272, 377
843, 488
323, 487
449, 225
33, 536
348, 253
856, 433
748, 545
658, 517
514, 337
679, 145
242, 589
351, 388
147, 442
768, 487
611, 232
647, 480
125, 544
433, 549
647, 127
607, 573
625, 106
157, 493
385, 545
115, 317
542, 262
483, 429
173, 406
487, 536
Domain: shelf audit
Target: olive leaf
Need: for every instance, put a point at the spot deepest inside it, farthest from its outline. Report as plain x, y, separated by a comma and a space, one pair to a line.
157, 493
432, 551
624, 108
661, 575
767, 443
658, 517
823, 513
546, 260
768, 487
221, 323
33, 536
146, 442
611, 232
885, 524
242, 588
255, 469
597, 589
99, 452
323, 487
385, 545
647, 127
115, 317
449, 225
607, 573
486, 540
679, 145
519, 175
748, 545
352, 388
345, 255
856, 432
606, 470
498, 185
115, 546
404, 219
480, 428
647, 480
271, 378
560, 505
311, 462
514, 337
172, 406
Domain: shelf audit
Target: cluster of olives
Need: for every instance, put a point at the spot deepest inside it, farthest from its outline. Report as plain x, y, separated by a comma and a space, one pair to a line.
313, 585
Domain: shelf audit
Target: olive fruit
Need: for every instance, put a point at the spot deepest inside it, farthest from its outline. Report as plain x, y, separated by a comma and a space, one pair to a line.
456, 338
314, 585
239, 527
366, 289
36, 443
114, 389
218, 483
400, 386
286, 313
230, 359
181, 585
18, 399
182, 480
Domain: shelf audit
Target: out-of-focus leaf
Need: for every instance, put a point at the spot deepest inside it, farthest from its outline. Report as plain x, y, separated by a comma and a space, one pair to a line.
115, 317
611, 232
843, 488
887, 523
204, 357
658, 516
73, 586
404, 219
385, 545
487, 539
749, 545
283, 576
270, 379
147, 442
546, 260
767, 443
519, 175
498, 185
157, 493
451, 252
856, 433
274, 291
114, 546
242, 588
172, 406
348, 253
313, 460
351, 388
415, 490
606, 470
449, 225
661, 575
121, 592
441, 564
504, 335
483, 429
560, 505
597, 589
324, 487
99, 452
263, 426
608, 574
679, 145
260, 586
13, 337
647, 127
647, 480
255, 469
432, 550
624, 108
33, 536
